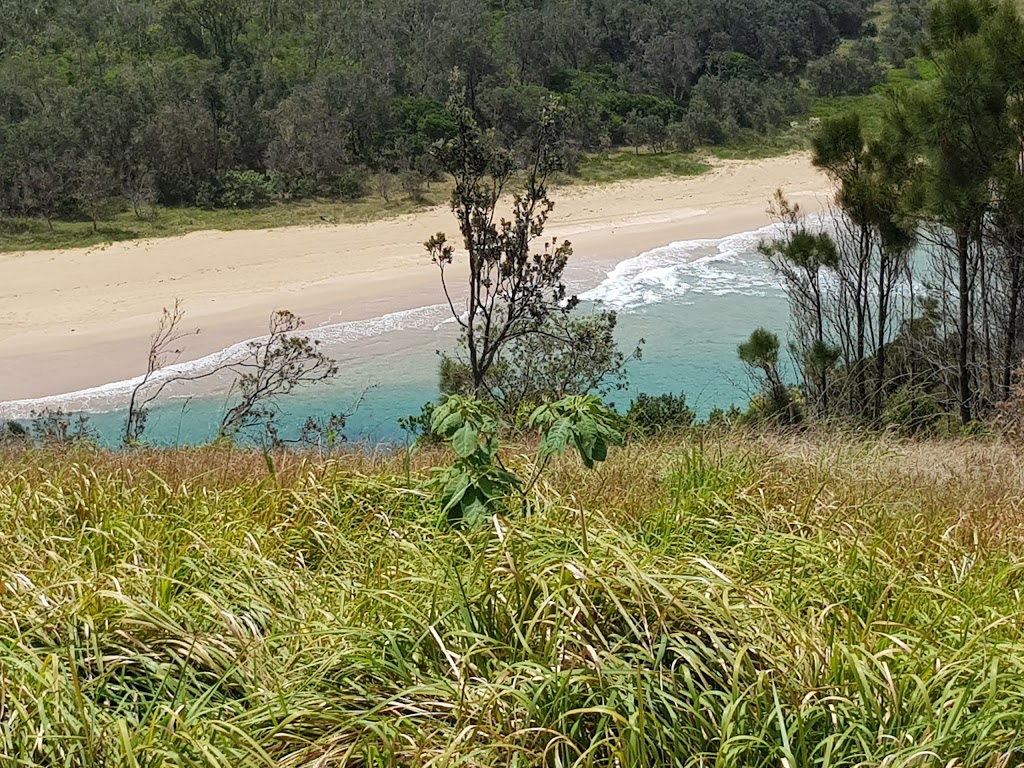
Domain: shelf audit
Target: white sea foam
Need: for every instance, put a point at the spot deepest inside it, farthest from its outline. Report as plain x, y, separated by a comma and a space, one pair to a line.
716, 267
115, 395
711, 267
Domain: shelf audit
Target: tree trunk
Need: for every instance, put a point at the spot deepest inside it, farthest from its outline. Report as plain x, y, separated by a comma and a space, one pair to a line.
861, 310
987, 319
963, 371
883, 319
1010, 343
862, 385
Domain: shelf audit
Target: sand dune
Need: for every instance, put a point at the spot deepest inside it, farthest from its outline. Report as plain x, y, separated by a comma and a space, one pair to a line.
79, 318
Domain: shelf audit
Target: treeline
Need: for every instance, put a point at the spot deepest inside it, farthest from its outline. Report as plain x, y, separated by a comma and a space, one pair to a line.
229, 103
912, 308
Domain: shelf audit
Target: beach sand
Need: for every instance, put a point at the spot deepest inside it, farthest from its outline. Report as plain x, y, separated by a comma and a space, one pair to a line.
80, 318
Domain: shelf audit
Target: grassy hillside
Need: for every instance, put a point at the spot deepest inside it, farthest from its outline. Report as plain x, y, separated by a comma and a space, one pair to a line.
751, 601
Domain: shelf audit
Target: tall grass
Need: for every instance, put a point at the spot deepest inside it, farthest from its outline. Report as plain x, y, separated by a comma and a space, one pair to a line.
629, 165
744, 602
26, 234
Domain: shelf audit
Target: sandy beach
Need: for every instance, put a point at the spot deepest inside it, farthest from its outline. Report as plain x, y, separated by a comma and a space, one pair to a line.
80, 318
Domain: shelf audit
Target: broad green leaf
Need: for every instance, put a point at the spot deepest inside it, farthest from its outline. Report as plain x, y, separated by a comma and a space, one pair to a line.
490, 489
455, 490
474, 507
445, 419
540, 417
506, 478
465, 441
555, 439
585, 450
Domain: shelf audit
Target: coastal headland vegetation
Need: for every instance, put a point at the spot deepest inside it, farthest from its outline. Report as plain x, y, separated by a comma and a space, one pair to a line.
829, 576
909, 308
748, 599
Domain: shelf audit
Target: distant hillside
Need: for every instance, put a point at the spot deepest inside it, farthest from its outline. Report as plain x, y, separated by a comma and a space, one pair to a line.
109, 105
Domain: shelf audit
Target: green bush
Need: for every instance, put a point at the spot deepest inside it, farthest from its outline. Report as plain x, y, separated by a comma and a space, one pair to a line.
651, 414
780, 406
725, 418
208, 194
246, 189
418, 424
682, 137
912, 412
13, 432
298, 187
839, 75
350, 186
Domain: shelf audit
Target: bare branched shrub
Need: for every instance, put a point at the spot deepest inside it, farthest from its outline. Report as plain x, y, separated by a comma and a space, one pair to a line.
414, 185
60, 428
323, 434
163, 350
273, 368
385, 184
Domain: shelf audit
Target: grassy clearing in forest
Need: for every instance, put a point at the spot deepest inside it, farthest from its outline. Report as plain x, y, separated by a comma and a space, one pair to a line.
22, 234
872, 106
629, 165
34, 234
747, 602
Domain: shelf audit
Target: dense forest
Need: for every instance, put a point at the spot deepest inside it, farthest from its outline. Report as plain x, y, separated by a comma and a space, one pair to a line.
232, 103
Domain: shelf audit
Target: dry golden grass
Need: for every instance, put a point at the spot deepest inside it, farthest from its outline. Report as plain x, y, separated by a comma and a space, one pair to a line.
703, 600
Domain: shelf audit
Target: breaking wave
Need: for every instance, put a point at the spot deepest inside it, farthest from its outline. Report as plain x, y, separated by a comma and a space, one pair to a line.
716, 267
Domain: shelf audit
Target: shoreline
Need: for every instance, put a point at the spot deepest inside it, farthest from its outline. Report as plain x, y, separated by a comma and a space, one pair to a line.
80, 319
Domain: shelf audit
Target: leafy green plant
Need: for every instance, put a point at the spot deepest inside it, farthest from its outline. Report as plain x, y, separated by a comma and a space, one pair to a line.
246, 189
725, 418
13, 432
479, 483
419, 426
774, 402
350, 186
912, 412
582, 421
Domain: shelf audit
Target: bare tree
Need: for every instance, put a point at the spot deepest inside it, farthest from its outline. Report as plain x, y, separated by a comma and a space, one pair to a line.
512, 290
274, 367
140, 189
163, 350
60, 428
271, 368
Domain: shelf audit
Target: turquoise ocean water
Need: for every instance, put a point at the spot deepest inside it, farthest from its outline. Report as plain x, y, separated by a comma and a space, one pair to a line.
693, 302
